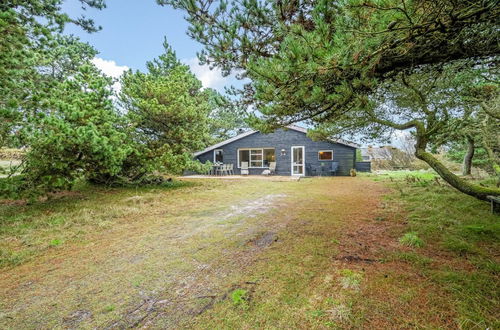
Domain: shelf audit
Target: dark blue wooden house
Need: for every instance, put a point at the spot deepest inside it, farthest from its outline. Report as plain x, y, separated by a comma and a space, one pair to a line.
292, 150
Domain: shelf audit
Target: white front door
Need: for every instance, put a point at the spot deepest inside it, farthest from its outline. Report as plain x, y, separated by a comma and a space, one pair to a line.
298, 161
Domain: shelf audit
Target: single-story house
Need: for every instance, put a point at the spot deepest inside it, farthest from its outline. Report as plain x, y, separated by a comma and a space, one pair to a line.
292, 150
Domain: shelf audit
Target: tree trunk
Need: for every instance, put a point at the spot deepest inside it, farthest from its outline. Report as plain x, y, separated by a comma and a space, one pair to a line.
468, 188
492, 159
467, 165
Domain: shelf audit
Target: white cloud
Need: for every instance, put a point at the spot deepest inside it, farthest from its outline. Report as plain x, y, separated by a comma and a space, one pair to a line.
209, 78
111, 69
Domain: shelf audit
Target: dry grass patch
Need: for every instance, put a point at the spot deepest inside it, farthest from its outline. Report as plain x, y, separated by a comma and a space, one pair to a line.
127, 257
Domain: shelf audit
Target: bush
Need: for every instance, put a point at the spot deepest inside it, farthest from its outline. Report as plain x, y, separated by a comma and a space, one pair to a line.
239, 297
411, 239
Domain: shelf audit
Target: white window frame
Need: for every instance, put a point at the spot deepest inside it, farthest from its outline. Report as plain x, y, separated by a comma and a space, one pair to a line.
250, 156
325, 160
215, 152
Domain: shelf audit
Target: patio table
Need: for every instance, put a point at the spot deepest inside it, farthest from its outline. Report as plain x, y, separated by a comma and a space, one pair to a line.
215, 167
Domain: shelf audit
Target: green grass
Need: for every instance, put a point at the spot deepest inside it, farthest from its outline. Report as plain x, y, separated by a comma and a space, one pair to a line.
350, 279
412, 258
13, 258
466, 236
55, 242
8, 163
425, 175
109, 308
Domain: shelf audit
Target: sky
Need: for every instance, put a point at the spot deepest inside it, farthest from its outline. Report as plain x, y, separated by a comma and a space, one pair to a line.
132, 34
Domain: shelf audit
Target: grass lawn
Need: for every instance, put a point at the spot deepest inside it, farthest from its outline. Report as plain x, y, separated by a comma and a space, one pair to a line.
372, 252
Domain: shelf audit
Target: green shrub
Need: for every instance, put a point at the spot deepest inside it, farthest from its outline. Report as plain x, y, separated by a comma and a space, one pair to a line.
239, 297
78, 135
411, 239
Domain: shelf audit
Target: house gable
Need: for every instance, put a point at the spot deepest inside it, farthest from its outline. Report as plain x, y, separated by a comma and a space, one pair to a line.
245, 134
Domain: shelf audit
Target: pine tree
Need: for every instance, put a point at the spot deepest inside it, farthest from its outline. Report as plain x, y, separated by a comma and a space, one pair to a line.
168, 111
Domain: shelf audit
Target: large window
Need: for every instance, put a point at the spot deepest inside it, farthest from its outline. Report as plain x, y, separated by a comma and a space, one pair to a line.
325, 155
256, 157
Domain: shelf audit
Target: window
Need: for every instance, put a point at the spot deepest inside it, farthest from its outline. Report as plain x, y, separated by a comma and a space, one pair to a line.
325, 155
243, 156
268, 157
256, 157
218, 156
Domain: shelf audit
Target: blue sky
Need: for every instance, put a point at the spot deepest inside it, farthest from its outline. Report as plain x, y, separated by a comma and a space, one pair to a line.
133, 32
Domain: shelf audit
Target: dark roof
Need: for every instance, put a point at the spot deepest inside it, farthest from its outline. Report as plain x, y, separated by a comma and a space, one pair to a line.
245, 134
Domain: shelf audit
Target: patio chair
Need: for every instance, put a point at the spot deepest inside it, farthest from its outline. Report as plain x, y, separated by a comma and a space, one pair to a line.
244, 168
272, 168
223, 169
335, 167
230, 169
311, 171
